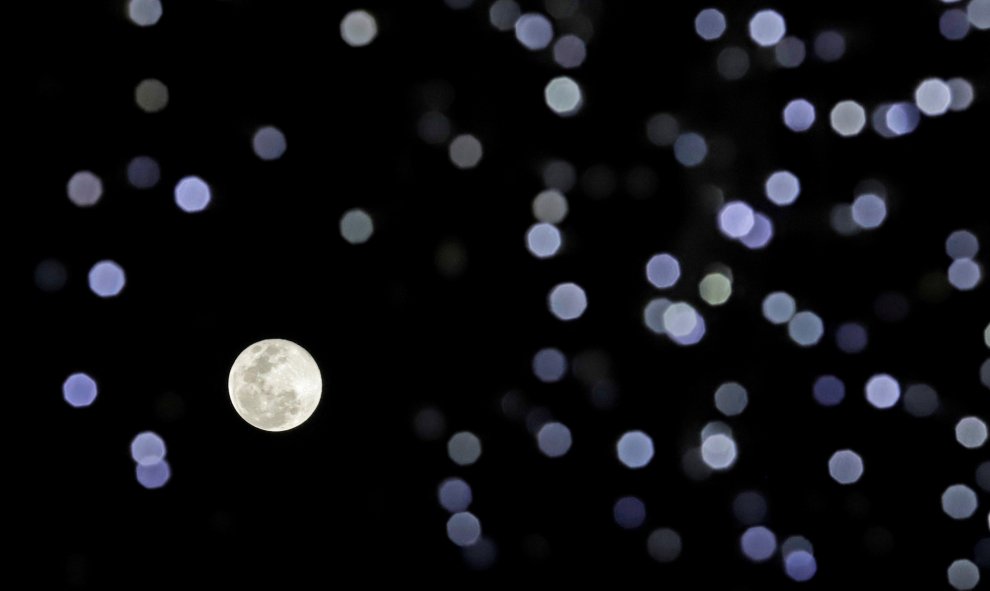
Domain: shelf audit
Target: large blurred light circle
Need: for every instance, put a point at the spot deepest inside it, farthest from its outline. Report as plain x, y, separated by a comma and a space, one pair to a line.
758, 543
848, 118
845, 466
767, 28
84, 188
79, 390
106, 279
358, 28
882, 391
635, 449
463, 528
192, 194
567, 301
563, 96
663, 270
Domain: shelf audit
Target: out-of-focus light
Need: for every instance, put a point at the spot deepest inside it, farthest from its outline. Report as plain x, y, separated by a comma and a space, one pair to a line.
830, 46
543, 240
664, 545
663, 270
805, 329
84, 188
796, 544
959, 501
985, 373
629, 512
978, 12
465, 151
454, 495
851, 337
569, 51
962, 94
779, 307
79, 390
732, 63
635, 449
429, 424
560, 175
50, 275
464, 448
902, 118
841, 220
143, 172
144, 13
356, 226
731, 399
106, 279
433, 128
503, 14
549, 365
920, 400
653, 314
719, 451
192, 194
480, 555
963, 575
147, 448
154, 475
736, 219
971, 432
662, 129
882, 391
986, 336
358, 28
550, 206
690, 149
799, 115
962, 244
869, 211
848, 118
710, 24
965, 274
760, 234
782, 187
715, 289
933, 97
829, 390
845, 466
715, 428
567, 301
790, 52
983, 475
767, 28
749, 507
534, 31
953, 24
268, 143
458, 4
563, 95
758, 543
683, 324
463, 528
800, 565
151, 95
554, 439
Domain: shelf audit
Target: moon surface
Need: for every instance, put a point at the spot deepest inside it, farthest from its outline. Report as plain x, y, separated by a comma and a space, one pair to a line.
275, 385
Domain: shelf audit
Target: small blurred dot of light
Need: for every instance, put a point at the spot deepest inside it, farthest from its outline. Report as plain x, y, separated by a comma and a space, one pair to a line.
920, 400
869, 211
635, 449
192, 194
779, 307
151, 95
962, 94
664, 545
978, 12
454, 495
845, 466
767, 28
569, 51
799, 115
851, 337
715, 289
800, 565
629, 512
790, 52
106, 279
79, 390
153, 476
732, 62
534, 31
963, 575
758, 543
953, 24
731, 399
358, 28
50, 275
663, 270
144, 13
690, 149
147, 448
543, 240
959, 502
549, 365
464, 448
805, 329
662, 129
719, 451
550, 206
902, 118
848, 118
84, 188
503, 14
710, 24
463, 528
563, 96
749, 507
830, 46
567, 301
782, 187
653, 314
356, 226
736, 219
143, 172
465, 151
962, 244
554, 439
882, 391
829, 390
760, 234
268, 143
971, 432
933, 97
965, 274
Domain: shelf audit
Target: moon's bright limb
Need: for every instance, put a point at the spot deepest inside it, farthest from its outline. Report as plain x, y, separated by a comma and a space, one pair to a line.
275, 385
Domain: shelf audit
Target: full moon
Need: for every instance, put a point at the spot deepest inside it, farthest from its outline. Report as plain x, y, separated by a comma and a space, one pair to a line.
275, 385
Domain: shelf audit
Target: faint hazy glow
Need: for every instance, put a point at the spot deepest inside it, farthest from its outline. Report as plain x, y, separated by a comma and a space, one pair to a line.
560, 175
962, 94
845, 466
715, 428
635, 449
192, 194
481, 555
567, 301
79, 390
715, 289
851, 337
664, 545
679, 319
841, 220
830, 46
971, 432
543, 240
829, 390
848, 118
690, 149
463, 528
985, 373
758, 543
920, 400
869, 211
454, 495
796, 543
356, 226
779, 307
790, 52
464, 448
358, 28
563, 96
50, 275
268, 143
151, 95
144, 13
933, 97
663, 270
653, 314
959, 501
554, 439
429, 424
433, 127
963, 574
983, 476
662, 129
569, 51
154, 475
782, 187
805, 328
882, 391
84, 188
962, 244
731, 399
760, 234
732, 62
799, 115
902, 118
965, 274
718, 451
953, 24
736, 219
986, 335
800, 565
767, 28
534, 31
978, 12
549, 365
749, 507
465, 151
550, 206
629, 512
143, 172
147, 448
503, 14
710, 24
106, 279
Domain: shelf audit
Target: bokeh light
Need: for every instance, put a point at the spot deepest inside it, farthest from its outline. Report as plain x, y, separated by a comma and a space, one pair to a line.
978, 12
767, 28
147, 448
563, 95
790, 52
663, 270
731, 399
719, 451
192, 194
79, 390
503, 14
920, 400
682, 323
750, 507
464, 448
144, 13
463, 528
143, 172
358, 28
806, 329
549, 365
710, 24
959, 501
550, 206
971, 432
84, 188
882, 391
268, 143
664, 545
962, 244
736, 219
933, 97
760, 234
454, 495
779, 307
151, 95
715, 289
653, 314
962, 94
851, 337
799, 115
635, 449
106, 279
782, 187
567, 301
963, 574
356, 226
758, 543
554, 439
869, 211
800, 565
534, 31
965, 274
50, 275
543, 240
662, 129
848, 118
845, 466
153, 476
829, 390
830, 46
954, 24
465, 151
732, 63
690, 149
569, 51
629, 512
